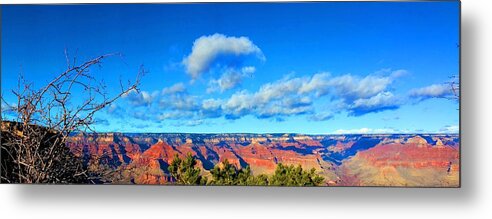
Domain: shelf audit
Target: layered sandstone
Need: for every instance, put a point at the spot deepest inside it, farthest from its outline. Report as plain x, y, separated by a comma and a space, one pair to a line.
342, 159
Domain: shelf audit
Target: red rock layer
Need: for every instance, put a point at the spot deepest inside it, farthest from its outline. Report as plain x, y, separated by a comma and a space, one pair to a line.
143, 159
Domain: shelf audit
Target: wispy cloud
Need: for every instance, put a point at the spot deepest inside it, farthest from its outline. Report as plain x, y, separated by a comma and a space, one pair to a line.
230, 79
191, 123
116, 111
450, 129
367, 131
102, 122
177, 98
176, 88
323, 116
432, 91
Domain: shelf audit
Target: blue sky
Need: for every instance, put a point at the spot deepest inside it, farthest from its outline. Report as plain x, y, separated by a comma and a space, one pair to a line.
256, 68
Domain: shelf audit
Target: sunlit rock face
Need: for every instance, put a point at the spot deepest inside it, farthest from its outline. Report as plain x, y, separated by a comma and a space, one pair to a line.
427, 160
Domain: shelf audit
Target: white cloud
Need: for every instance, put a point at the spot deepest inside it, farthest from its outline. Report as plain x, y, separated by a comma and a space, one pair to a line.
179, 102
248, 70
450, 129
398, 73
322, 116
432, 91
228, 80
354, 87
117, 111
348, 86
140, 98
207, 49
141, 114
319, 83
112, 108
285, 107
175, 115
382, 99
176, 88
211, 104
191, 123
176, 97
357, 95
279, 111
271, 100
380, 102
367, 131
239, 104
277, 100
211, 108
278, 89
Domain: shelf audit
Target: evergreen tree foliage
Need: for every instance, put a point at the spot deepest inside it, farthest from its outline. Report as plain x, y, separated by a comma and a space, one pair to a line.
227, 174
183, 171
260, 180
294, 176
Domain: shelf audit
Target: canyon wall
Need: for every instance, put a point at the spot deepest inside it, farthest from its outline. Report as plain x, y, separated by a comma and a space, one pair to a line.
429, 160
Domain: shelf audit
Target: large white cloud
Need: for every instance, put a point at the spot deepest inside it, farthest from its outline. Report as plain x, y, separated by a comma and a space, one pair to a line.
207, 49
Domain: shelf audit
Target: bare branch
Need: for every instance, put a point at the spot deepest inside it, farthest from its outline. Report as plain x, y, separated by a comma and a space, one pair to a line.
36, 145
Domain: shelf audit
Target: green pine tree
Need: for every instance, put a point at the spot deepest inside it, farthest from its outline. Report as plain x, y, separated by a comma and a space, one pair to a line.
294, 176
183, 171
225, 175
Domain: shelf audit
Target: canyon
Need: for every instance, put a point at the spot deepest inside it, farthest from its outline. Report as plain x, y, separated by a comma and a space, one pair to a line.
414, 160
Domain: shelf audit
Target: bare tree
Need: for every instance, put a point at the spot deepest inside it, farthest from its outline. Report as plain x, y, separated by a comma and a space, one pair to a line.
454, 84
33, 145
